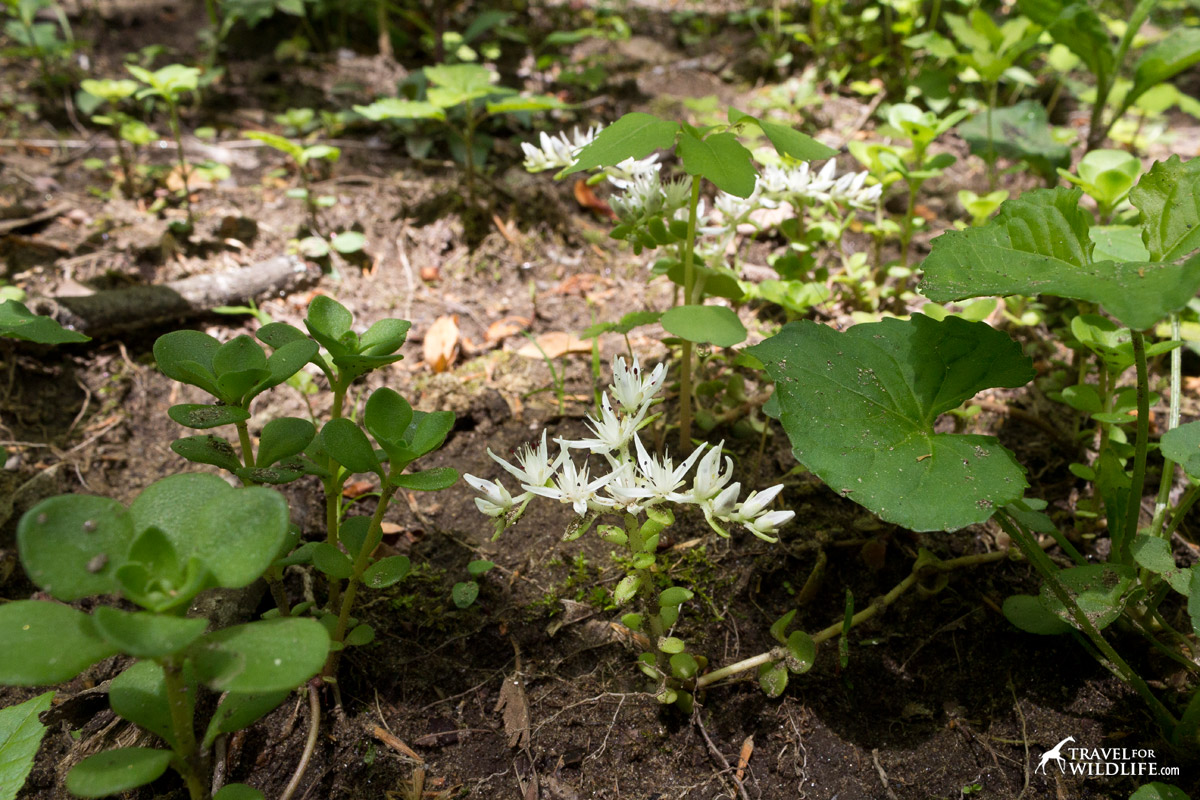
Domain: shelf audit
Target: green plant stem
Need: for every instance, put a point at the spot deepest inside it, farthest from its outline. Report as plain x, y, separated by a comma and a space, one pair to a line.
1168, 473
1143, 435
1049, 573
247, 446
183, 168
361, 561
186, 760
1185, 505
991, 165
685, 358
836, 629
469, 141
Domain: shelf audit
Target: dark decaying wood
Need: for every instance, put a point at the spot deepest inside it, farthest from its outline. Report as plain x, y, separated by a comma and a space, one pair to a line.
116, 310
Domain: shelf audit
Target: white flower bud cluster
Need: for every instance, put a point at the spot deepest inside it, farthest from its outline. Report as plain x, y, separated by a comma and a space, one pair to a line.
636, 479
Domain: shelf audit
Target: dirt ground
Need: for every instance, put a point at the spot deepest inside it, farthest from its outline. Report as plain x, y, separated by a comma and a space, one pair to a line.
940, 697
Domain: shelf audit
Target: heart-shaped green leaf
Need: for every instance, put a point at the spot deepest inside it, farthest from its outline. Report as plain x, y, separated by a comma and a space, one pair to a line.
260, 657
72, 545
203, 417
1098, 589
208, 449
386, 572
283, 438
345, 442
146, 635
115, 771
773, 678
235, 533
237, 711
720, 158
464, 593
801, 652
1030, 614
18, 322
430, 480
1039, 244
46, 643
860, 408
707, 324
1169, 198
635, 135
139, 694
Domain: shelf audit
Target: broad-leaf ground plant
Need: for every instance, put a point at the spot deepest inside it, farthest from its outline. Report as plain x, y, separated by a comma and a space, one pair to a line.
641, 492
860, 408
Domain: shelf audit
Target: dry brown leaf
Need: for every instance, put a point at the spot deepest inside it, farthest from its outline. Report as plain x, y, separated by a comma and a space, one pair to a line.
358, 488
441, 343
554, 345
516, 712
503, 328
580, 284
588, 199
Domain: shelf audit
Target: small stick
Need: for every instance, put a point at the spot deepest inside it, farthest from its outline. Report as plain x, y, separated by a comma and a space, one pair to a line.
396, 744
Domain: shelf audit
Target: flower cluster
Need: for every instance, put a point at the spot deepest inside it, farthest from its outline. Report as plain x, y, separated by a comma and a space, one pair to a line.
635, 480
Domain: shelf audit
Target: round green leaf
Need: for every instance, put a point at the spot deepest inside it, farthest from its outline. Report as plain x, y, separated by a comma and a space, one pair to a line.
46, 643
674, 596
1182, 445
202, 416
479, 567
283, 438
139, 694
361, 635
327, 317
384, 337
625, 589
671, 644
705, 324
801, 652
773, 678
430, 480
386, 572
116, 771
235, 533
238, 791
684, 666
187, 357
463, 594
331, 561
1029, 614
348, 242
349, 446
387, 417
237, 711
431, 431
208, 449
860, 407
72, 545
147, 635
260, 657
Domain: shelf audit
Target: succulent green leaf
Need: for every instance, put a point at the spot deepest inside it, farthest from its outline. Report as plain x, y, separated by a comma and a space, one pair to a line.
139, 694
684, 666
277, 334
1039, 244
1169, 198
1098, 589
384, 337
360, 635
1157, 790
1030, 614
208, 449
386, 572
348, 242
389, 108
72, 545
635, 135
115, 771
627, 323
780, 626
345, 442
479, 566
261, 657
18, 322
773, 678
674, 596
428, 431
146, 635
187, 357
280, 143
202, 416
1182, 445
430, 480
464, 593
237, 711
238, 791
720, 158
332, 561
46, 643
671, 645
1178, 50
235, 533
706, 324
286, 361
1155, 555
283, 438
387, 417
239, 354
801, 652
329, 318
626, 588
860, 408
1019, 132
353, 534
21, 733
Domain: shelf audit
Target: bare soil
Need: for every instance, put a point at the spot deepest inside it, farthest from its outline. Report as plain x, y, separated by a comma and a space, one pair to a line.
940, 697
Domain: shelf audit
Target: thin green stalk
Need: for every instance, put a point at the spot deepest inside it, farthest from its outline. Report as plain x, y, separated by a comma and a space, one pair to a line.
1168, 473
1143, 436
186, 760
991, 166
1185, 505
1049, 573
247, 446
183, 168
685, 367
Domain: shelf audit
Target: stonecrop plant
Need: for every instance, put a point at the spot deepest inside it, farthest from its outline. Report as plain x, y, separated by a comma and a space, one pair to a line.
643, 491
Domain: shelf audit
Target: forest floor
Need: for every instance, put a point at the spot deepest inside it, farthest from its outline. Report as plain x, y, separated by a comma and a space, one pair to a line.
940, 696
